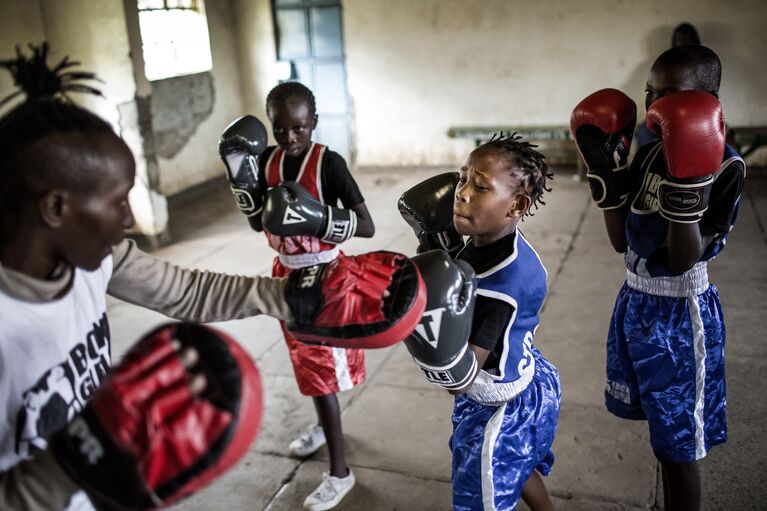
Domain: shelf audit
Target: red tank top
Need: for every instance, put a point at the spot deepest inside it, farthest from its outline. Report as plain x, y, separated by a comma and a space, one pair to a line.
310, 177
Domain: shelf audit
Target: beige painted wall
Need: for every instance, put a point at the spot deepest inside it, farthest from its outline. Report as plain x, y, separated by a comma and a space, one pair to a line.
256, 54
101, 45
418, 67
198, 161
20, 23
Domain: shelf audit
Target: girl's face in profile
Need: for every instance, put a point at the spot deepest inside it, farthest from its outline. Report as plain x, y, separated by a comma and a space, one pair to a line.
488, 200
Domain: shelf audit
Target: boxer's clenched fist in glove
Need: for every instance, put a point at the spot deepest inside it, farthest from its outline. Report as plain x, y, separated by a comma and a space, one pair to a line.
439, 344
239, 147
428, 210
602, 125
149, 438
691, 125
290, 210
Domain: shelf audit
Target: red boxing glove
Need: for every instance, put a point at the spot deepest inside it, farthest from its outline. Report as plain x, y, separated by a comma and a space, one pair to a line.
145, 440
691, 125
602, 126
371, 300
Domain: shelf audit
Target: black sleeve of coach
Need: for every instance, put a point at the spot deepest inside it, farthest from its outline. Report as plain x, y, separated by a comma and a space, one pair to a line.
338, 183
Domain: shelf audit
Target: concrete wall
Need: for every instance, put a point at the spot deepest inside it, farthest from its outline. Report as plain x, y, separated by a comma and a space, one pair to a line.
256, 54
196, 160
101, 45
414, 69
417, 68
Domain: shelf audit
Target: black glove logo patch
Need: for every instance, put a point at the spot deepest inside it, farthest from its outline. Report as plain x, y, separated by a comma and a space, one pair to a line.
427, 330
292, 217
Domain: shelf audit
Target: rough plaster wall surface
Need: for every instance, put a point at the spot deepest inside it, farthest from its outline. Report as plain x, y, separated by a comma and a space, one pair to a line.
197, 160
100, 43
417, 68
257, 54
179, 105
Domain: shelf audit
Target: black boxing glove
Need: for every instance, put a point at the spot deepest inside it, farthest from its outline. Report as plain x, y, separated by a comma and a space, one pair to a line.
439, 344
290, 210
428, 209
239, 147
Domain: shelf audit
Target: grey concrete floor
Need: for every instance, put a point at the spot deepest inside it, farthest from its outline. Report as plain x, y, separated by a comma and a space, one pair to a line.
397, 426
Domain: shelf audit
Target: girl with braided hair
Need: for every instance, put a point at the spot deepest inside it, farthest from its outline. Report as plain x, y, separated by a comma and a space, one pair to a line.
504, 422
64, 182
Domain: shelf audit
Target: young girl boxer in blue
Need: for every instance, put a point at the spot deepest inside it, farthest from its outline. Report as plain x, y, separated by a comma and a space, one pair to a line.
505, 415
665, 345
504, 424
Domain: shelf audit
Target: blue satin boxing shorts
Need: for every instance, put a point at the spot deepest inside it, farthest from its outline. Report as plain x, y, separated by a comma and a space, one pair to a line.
665, 364
496, 448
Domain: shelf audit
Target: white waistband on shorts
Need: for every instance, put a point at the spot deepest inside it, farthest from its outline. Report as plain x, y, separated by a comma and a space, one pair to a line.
486, 391
691, 283
302, 260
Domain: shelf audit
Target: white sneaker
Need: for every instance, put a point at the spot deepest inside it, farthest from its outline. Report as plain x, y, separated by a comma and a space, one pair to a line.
330, 492
309, 441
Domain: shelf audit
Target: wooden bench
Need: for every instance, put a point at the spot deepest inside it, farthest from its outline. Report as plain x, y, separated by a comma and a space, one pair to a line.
554, 141
747, 139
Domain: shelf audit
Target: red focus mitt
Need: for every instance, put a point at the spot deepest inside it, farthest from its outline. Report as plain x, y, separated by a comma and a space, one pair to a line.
146, 440
371, 300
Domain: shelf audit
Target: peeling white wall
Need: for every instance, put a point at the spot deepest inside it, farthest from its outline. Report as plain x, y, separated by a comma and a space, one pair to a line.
257, 54
417, 68
198, 161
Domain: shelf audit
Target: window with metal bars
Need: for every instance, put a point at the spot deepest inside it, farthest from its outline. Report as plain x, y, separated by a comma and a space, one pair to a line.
174, 36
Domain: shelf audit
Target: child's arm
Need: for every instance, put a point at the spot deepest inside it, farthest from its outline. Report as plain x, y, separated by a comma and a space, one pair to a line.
602, 126
615, 223
692, 128
481, 355
365, 226
336, 176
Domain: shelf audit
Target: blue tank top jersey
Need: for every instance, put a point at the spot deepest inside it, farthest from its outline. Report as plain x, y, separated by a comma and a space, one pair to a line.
519, 280
645, 227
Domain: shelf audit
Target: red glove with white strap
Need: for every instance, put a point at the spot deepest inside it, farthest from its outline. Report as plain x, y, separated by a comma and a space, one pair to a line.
691, 125
602, 125
146, 440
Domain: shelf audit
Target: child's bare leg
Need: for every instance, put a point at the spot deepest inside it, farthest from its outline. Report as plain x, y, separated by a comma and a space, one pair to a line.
329, 415
681, 485
535, 495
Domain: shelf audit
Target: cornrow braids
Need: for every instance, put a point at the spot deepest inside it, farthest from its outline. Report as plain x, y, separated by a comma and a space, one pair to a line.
291, 89
46, 111
527, 164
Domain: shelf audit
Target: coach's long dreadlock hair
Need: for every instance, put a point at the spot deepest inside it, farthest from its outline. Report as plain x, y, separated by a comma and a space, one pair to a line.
47, 110
280, 93
527, 164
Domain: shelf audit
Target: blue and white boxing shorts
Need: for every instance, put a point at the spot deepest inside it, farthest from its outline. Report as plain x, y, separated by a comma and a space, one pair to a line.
496, 448
665, 362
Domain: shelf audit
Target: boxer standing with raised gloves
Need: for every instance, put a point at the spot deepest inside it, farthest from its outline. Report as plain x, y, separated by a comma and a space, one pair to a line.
665, 346
481, 348
302, 183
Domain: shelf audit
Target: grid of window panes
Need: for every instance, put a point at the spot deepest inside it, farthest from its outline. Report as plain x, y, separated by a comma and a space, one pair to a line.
310, 36
174, 36
150, 5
